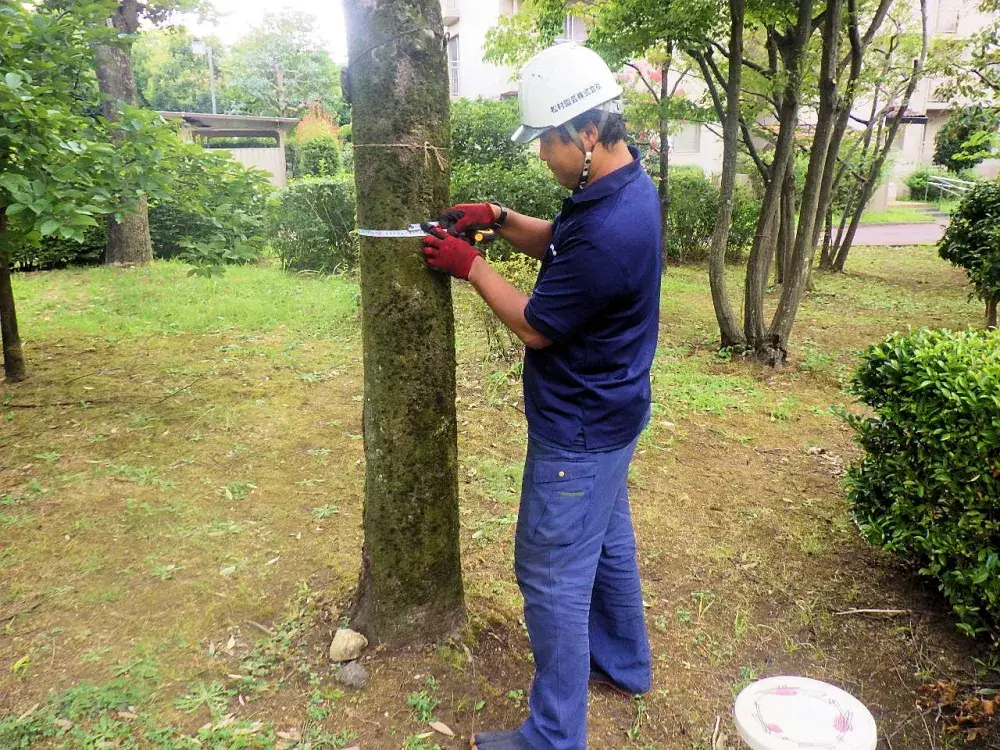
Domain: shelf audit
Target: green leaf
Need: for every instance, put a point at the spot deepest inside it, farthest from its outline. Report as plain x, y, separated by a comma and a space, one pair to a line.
50, 227
13, 81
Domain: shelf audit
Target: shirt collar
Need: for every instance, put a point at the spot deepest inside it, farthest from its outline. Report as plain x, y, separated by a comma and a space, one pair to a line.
610, 183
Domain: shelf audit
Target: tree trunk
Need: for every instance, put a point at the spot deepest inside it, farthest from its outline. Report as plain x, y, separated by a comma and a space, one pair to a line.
128, 240
875, 170
728, 326
799, 263
991, 312
786, 236
827, 239
410, 586
665, 158
792, 49
279, 88
13, 357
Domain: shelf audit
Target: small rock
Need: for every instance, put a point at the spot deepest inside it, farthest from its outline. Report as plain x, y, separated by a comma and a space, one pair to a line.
353, 675
347, 645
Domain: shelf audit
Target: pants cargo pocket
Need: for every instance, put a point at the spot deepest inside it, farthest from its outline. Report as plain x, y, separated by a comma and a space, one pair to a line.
562, 491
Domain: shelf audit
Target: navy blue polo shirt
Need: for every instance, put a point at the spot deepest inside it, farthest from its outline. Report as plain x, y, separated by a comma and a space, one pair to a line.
597, 298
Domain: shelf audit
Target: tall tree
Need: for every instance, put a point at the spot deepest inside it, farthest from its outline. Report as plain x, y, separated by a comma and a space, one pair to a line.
728, 327
128, 234
170, 77
281, 66
128, 231
890, 104
57, 167
410, 586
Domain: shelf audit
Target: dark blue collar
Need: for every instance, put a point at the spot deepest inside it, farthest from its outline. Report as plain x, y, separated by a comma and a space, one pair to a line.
610, 183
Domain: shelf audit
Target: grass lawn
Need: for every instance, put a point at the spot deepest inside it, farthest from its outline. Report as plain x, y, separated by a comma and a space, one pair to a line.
897, 215
180, 520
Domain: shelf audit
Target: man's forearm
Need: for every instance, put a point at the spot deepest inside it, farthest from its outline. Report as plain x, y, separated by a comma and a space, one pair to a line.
529, 235
507, 301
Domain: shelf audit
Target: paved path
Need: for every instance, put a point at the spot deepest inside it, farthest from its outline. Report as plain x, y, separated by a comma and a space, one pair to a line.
929, 233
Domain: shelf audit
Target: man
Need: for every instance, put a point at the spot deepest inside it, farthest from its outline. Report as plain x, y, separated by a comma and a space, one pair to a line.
590, 328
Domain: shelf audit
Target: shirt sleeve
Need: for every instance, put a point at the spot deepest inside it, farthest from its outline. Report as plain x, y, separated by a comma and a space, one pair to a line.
579, 282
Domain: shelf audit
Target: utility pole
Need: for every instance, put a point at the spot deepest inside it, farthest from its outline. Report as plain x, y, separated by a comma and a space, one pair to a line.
410, 588
199, 47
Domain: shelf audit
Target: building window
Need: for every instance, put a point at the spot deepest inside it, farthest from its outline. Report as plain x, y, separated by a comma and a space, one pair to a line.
687, 140
510, 7
574, 30
451, 7
453, 66
947, 16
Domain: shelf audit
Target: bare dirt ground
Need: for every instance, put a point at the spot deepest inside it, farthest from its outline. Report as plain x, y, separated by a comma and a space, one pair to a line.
181, 484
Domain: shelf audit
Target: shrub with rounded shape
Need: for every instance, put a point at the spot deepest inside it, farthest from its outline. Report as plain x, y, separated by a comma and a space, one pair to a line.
928, 486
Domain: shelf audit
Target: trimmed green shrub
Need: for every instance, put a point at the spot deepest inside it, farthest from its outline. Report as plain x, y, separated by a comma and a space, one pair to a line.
920, 188
481, 130
317, 156
928, 486
55, 252
694, 204
529, 189
311, 224
972, 240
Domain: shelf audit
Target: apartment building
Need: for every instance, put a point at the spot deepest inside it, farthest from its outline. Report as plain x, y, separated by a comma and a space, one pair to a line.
466, 22
914, 145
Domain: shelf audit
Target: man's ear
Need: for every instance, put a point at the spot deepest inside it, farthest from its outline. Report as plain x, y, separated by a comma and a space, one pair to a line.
591, 136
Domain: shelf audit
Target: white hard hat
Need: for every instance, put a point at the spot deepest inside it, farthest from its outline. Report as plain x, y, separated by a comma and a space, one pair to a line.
560, 83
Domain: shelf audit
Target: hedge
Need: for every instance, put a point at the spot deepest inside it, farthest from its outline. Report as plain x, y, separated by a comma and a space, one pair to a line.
928, 486
311, 224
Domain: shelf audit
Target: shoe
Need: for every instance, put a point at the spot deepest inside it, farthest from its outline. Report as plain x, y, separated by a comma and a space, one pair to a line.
511, 740
597, 677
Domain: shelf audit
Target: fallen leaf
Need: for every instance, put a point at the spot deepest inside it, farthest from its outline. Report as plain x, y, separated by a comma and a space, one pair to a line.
444, 729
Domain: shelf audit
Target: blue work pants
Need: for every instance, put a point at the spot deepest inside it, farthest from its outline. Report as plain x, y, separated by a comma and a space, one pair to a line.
575, 561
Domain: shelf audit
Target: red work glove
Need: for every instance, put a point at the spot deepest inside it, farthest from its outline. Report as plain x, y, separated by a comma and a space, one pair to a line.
465, 216
445, 252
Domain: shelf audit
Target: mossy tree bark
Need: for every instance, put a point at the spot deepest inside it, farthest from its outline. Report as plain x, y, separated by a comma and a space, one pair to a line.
129, 241
411, 586
13, 358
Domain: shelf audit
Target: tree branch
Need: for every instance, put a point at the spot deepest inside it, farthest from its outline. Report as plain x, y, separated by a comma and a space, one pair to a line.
652, 91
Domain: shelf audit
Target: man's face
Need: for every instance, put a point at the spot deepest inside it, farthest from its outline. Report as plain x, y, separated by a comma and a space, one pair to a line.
562, 157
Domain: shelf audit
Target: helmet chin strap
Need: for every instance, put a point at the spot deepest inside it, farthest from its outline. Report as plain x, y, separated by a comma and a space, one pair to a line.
588, 155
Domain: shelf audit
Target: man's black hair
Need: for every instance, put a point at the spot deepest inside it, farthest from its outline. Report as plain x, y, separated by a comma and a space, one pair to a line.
609, 135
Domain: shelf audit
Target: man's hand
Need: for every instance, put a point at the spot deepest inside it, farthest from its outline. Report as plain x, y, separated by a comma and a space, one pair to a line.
445, 252
468, 216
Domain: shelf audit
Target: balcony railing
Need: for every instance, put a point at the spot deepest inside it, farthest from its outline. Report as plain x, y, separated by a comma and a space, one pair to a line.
451, 12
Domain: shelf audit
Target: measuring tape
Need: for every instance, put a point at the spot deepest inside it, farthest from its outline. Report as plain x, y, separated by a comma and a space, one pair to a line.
413, 230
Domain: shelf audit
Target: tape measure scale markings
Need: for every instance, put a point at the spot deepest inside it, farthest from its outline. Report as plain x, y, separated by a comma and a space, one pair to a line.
413, 230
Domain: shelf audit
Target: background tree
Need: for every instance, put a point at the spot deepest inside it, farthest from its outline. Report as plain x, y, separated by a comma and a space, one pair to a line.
280, 66
411, 585
900, 67
967, 138
170, 77
972, 241
58, 169
128, 231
